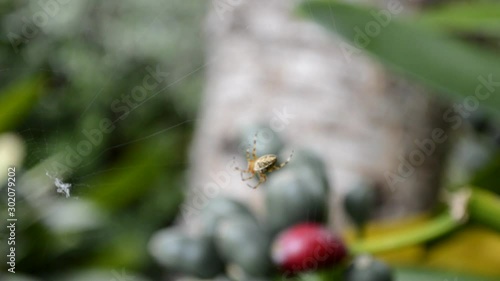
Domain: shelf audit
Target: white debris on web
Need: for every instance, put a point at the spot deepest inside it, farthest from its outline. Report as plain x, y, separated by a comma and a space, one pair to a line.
61, 186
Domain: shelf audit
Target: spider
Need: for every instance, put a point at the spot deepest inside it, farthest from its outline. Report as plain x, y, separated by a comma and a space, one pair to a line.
260, 166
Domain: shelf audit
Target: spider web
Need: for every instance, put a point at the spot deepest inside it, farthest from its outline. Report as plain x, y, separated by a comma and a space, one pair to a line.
40, 145
43, 143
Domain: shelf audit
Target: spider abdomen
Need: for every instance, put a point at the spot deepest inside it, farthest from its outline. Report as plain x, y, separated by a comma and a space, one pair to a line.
263, 163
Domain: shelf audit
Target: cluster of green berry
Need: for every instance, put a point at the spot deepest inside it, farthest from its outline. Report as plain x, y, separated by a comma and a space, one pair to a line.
292, 239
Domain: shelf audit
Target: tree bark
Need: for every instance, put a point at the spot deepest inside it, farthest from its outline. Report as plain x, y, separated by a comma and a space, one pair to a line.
362, 119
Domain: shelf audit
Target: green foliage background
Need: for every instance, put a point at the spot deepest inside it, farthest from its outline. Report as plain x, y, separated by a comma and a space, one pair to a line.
62, 79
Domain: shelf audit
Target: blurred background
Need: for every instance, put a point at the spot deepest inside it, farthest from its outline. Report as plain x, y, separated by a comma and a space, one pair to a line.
126, 118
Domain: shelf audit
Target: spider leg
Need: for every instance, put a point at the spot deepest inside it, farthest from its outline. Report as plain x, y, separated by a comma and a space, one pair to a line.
242, 171
275, 168
234, 164
248, 154
254, 150
262, 179
236, 167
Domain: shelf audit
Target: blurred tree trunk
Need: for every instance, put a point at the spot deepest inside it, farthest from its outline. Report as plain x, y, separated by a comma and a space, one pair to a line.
363, 120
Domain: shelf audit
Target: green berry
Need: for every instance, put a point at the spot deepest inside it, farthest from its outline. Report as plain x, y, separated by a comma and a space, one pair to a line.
219, 209
365, 268
194, 256
298, 193
359, 203
244, 244
268, 141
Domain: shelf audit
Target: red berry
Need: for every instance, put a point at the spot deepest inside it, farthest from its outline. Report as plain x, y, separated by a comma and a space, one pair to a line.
305, 247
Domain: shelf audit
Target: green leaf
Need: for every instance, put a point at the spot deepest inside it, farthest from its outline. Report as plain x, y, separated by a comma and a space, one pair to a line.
474, 17
17, 100
416, 274
431, 57
134, 175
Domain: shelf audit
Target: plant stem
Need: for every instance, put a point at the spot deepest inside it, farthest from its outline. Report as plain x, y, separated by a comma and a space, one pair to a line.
483, 207
437, 227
